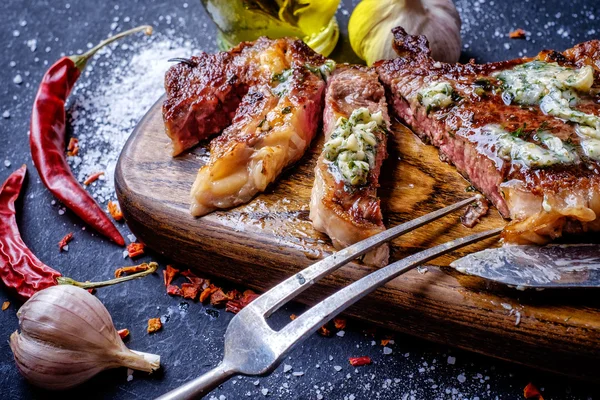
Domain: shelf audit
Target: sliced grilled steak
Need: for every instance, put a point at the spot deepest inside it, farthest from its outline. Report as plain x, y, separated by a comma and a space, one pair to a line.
273, 125
525, 132
344, 202
202, 100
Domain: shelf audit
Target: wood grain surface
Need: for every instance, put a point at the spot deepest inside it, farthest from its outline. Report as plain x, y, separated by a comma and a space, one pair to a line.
261, 243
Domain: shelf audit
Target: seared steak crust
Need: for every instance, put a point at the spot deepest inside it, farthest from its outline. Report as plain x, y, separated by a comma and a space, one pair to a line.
346, 213
543, 202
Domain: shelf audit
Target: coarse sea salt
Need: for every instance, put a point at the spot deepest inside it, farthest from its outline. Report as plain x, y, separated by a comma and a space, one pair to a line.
104, 114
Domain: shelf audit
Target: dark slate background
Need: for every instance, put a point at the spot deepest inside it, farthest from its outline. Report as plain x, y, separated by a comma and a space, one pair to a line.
191, 341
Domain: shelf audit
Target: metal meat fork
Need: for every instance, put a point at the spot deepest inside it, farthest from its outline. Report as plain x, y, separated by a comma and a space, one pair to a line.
252, 347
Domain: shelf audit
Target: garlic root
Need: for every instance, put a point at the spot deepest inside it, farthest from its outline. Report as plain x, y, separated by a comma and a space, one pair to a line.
67, 336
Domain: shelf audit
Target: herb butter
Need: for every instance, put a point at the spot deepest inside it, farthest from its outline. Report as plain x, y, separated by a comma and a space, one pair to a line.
352, 146
511, 147
436, 95
555, 89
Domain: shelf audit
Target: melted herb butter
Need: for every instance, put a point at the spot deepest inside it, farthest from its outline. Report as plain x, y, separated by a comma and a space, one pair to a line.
436, 95
511, 147
280, 82
554, 88
351, 148
324, 71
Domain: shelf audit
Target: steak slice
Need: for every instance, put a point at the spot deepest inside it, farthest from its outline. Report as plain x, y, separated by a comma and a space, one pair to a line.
349, 212
526, 132
273, 125
202, 99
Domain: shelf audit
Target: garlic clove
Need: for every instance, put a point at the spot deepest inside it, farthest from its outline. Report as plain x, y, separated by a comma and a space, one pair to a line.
372, 21
67, 336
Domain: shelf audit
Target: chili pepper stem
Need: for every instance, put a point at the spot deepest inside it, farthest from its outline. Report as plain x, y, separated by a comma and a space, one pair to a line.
62, 280
80, 61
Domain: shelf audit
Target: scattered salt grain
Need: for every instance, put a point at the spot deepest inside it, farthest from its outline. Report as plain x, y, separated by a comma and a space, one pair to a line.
387, 350
129, 374
18, 79
341, 333
287, 368
461, 378
506, 306
22, 23
256, 382
65, 247
125, 254
451, 360
337, 368
7, 163
16, 33
32, 44
222, 397
6, 114
131, 237
104, 115
12, 64
297, 373
264, 391
61, 211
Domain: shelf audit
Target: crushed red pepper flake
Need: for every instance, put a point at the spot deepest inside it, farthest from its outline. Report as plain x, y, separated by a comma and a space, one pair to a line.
240, 301
531, 392
339, 323
135, 250
324, 331
207, 292
169, 274
93, 177
123, 333
358, 361
385, 342
190, 290
154, 325
73, 147
194, 279
91, 291
115, 211
219, 297
65, 241
5, 305
130, 270
174, 290
518, 34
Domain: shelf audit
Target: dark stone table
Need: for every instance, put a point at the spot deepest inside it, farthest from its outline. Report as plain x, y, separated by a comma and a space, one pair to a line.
192, 338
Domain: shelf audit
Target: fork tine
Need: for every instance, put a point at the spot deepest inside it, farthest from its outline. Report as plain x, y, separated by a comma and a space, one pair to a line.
311, 320
271, 300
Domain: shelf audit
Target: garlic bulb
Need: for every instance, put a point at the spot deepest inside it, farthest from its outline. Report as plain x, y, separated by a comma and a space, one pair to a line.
67, 336
372, 21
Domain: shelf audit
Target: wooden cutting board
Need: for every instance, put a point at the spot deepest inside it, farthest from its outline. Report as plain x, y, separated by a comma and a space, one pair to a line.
261, 243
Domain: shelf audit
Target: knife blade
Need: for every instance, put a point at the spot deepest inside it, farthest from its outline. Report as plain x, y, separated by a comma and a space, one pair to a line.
551, 266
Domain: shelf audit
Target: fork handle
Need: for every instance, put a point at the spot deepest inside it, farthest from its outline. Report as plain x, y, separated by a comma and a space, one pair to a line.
200, 386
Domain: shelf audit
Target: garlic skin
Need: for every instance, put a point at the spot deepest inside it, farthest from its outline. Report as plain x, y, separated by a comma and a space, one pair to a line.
67, 336
372, 21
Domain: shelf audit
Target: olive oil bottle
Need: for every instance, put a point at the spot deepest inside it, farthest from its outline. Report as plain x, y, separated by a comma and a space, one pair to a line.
245, 20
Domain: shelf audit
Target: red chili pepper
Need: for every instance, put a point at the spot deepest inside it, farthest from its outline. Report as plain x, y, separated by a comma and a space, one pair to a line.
47, 139
20, 269
359, 361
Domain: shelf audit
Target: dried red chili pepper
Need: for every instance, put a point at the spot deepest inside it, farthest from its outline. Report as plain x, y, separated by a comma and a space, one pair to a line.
358, 361
169, 274
531, 392
20, 269
47, 139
